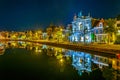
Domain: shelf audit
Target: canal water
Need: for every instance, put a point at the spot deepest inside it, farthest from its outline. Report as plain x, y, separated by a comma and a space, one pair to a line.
25, 60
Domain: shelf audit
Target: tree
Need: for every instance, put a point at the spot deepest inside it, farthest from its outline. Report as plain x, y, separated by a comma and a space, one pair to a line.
118, 17
50, 31
4, 34
110, 29
117, 41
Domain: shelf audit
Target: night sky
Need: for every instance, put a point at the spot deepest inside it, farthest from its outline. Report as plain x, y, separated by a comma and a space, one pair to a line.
21, 15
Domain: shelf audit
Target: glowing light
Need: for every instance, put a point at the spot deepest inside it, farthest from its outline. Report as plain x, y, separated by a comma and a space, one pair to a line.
118, 56
59, 56
76, 39
118, 31
2, 49
14, 44
61, 60
44, 47
87, 37
72, 38
113, 62
82, 39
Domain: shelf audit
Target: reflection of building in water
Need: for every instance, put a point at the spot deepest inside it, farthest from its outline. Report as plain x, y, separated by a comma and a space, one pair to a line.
105, 61
50, 51
14, 44
2, 46
38, 49
116, 64
44, 47
81, 61
2, 49
59, 52
2, 52
101, 61
22, 44
69, 53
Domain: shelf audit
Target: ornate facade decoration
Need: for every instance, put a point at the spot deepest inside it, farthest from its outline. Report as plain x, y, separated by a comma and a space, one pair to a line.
81, 26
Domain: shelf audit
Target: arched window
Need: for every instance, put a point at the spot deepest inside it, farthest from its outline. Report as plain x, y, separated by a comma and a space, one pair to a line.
80, 26
101, 25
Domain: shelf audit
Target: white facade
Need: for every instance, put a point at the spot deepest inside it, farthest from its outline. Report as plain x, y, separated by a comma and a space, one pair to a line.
100, 35
81, 26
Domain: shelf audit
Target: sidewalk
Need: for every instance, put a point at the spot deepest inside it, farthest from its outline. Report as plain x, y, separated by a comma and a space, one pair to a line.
109, 46
103, 48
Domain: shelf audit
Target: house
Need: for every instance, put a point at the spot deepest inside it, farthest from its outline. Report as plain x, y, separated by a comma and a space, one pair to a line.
118, 26
81, 26
98, 30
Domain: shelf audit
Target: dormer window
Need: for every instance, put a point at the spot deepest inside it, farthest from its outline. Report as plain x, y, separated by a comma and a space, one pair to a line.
80, 26
101, 25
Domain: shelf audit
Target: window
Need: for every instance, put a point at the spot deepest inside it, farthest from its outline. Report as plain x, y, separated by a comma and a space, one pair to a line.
101, 31
100, 25
80, 26
87, 22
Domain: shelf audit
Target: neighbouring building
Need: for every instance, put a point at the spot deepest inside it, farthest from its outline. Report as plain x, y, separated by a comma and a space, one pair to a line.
67, 32
118, 26
44, 35
98, 31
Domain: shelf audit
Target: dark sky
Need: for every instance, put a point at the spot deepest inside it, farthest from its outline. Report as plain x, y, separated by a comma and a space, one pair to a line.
20, 15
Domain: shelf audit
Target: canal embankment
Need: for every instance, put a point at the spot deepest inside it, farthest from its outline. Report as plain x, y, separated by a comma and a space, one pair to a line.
106, 49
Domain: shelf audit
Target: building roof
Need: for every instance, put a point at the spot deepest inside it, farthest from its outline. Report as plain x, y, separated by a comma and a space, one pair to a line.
96, 22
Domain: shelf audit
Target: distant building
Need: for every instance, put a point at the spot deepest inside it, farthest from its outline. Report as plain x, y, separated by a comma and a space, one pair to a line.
118, 26
44, 35
81, 26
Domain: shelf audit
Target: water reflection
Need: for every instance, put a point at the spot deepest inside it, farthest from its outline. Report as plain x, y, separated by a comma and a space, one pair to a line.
84, 62
2, 48
81, 61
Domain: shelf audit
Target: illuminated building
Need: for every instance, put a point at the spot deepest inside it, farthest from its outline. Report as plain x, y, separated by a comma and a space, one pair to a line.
44, 35
81, 26
4, 35
118, 26
99, 35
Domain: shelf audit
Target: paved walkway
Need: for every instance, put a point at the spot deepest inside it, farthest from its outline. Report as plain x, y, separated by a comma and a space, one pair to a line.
106, 46
109, 46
